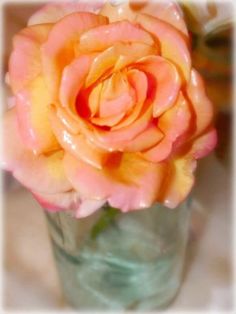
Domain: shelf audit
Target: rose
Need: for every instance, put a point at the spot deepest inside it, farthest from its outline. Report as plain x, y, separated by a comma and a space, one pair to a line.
107, 107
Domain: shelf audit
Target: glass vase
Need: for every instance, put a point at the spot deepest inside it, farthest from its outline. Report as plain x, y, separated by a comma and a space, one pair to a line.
120, 261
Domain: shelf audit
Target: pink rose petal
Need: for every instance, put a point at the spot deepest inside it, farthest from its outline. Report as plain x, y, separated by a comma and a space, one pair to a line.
167, 11
73, 78
179, 182
117, 57
117, 139
43, 174
201, 103
102, 37
131, 184
166, 79
69, 200
173, 123
88, 207
138, 81
58, 51
117, 96
173, 44
25, 60
32, 107
204, 144
78, 145
53, 12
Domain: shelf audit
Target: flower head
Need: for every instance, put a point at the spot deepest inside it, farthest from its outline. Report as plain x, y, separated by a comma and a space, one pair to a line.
107, 107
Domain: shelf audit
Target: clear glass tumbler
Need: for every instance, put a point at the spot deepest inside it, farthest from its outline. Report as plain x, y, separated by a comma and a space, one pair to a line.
120, 261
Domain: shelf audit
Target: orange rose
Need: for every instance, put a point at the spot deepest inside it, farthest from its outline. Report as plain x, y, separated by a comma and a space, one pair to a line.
107, 107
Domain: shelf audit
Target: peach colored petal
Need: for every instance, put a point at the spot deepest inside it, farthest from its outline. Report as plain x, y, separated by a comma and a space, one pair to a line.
167, 82
179, 182
68, 119
88, 207
94, 99
77, 145
119, 105
173, 44
117, 57
115, 140
43, 173
52, 12
118, 12
159, 152
133, 52
101, 64
32, 104
73, 78
138, 81
25, 60
117, 96
58, 51
130, 184
102, 37
173, 123
204, 144
148, 138
69, 201
200, 102
108, 121
167, 11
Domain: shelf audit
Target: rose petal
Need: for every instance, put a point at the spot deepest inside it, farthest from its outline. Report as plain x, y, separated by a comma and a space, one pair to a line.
69, 200
173, 123
179, 181
173, 44
73, 78
108, 121
204, 144
68, 119
116, 96
117, 57
58, 51
32, 104
133, 52
88, 207
101, 64
167, 82
43, 174
102, 37
201, 104
53, 12
77, 145
148, 138
25, 60
167, 11
131, 184
117, 139
138, 81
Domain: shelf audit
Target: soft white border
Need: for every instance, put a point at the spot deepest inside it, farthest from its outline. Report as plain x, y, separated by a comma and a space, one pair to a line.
2, 310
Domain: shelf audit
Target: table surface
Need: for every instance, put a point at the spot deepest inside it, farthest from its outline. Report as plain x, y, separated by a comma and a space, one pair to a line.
31, 281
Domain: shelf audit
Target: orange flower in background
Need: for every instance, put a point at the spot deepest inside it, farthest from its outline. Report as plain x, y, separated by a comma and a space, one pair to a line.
107, 107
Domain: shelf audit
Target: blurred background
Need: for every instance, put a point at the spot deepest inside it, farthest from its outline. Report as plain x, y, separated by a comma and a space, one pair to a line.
30, 278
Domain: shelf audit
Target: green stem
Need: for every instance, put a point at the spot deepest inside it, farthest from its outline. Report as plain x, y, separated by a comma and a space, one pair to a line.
108, 216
